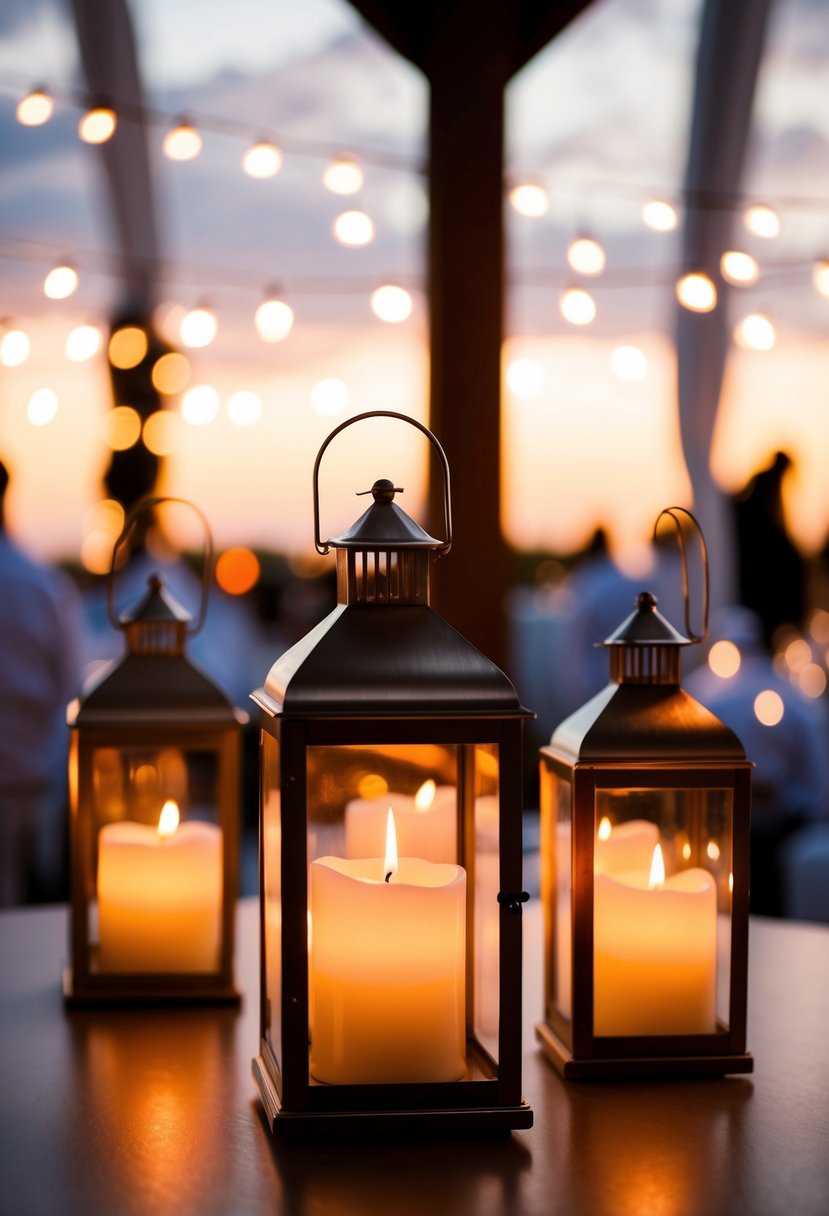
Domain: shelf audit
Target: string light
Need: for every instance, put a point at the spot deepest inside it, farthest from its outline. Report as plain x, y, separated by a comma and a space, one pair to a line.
97, 125
200, 405
525, 378
586, 256
245, 408
273, 320
42, 407
577, 306
629, 363
768, 707
812, 681
60, 282
354, 228
329, 397
755, 332
14, 348
171, 373
529, 199
696, 292
161, 433
182, 142
262, 160
83, 342
121, 428
127, 347
343, 175
659, 215
35, 108
724, 659
198, 327
820, 276
762, 220
391, 303
739, 268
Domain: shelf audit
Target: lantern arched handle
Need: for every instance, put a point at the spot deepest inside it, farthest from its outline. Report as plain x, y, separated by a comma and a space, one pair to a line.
146, 504
673, 514
323, 547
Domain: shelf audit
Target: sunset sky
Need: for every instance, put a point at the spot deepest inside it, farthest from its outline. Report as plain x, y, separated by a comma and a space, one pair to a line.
600, 118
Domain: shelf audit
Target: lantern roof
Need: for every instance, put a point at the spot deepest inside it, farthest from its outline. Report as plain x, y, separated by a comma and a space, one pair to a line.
384, 525
156, 605
646, 626
369, 661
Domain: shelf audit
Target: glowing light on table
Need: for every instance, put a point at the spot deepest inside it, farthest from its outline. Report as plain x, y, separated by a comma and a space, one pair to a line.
35, 108
738, 267
198, 327
696, 292
659, 215
724, 659
762, 220
655, 951
83, 343
387, 969
586, 256
755, 332
629, 363
60, 282
244, 408
529, 199
42, 406
525, 378
343, 176
262, 160
127, 346
97, 125
182, 142
354, 228
391, 303
274, 320
200, 405
577, 306
14, 348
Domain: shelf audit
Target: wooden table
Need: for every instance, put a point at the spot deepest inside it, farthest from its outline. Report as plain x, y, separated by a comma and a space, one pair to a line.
110, 1114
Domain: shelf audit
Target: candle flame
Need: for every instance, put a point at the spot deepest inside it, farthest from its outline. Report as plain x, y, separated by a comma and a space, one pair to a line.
425, 796
390, 862
657, 874
169, 818
605, 828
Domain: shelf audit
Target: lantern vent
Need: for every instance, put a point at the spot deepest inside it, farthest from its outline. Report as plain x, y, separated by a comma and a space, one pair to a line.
157, 624
646, 648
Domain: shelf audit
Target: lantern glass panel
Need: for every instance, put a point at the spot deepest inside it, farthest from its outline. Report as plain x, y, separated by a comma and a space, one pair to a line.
154, 884
272, 893
486, 942
557, 890
662, 910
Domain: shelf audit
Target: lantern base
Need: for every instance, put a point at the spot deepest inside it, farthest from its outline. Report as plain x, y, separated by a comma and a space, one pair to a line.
652, 1067
316, 1125
124, 991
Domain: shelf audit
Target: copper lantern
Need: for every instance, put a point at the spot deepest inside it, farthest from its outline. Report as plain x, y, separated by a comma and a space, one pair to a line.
154, 775
390, 854
645, 800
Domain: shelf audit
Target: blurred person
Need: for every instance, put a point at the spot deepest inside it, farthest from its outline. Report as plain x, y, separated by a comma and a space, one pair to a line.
39, 675
790, 782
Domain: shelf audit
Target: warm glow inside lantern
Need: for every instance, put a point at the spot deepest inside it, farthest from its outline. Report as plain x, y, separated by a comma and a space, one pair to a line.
154, 807
390, 854
645, 843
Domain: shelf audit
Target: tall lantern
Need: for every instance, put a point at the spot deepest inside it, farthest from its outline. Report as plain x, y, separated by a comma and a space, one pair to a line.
645, 800
390, 854
154, 814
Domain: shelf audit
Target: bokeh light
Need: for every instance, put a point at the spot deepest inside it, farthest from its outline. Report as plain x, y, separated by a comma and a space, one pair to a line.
629, 363
762, 220
127, 347
83, 342
35, 108
659, 215
245, 408
798, 654
812, 681
819, 626
274, 320
696, 292
237, 570
391, 303
755, 332
577, 306
171, 373
724, 659
182, 142
42, 406
198, 327
97, 125
820, 276
121, 428
329, 397
768, 707
586, 256
200, 405
14, 348
343, 175
525, 378
354, 228
529, 199
60, 282
738, 267
161, 433
262, 160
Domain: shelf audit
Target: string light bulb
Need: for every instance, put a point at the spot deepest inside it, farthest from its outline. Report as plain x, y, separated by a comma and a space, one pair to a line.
343, 175
262, 160
762, 220
755, 332
127, 347
198, 327
820, 276
60, 282
97, 125
354, 229
660, 215
82, 343
696, 292
182, 142
329, 397
391, 303
629, 363
273, 319
577, 306
200, 405
244, 408
42, 407
739, 268
525, 378
36, 108
529, 199
14, 348
586, 256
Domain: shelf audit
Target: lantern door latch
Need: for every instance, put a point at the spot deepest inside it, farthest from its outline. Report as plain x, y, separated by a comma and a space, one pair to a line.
513, 899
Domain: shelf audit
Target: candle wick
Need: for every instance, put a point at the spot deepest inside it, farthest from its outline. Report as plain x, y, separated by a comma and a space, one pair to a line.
388, 876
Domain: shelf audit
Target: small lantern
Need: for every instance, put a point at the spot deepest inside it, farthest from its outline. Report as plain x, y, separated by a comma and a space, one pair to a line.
645, 800
154, 814
390, 854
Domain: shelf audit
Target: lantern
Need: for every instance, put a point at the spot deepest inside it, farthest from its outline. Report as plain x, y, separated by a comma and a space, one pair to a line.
645, 802
390, 854
154, 814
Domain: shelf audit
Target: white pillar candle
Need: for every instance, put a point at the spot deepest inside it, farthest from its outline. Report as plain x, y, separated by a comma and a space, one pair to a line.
426, 824
159, 897
655, 953
388, 971
624, 846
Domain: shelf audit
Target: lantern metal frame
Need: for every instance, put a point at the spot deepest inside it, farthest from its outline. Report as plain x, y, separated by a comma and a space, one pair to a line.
646, 735
155, 697
385, 671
